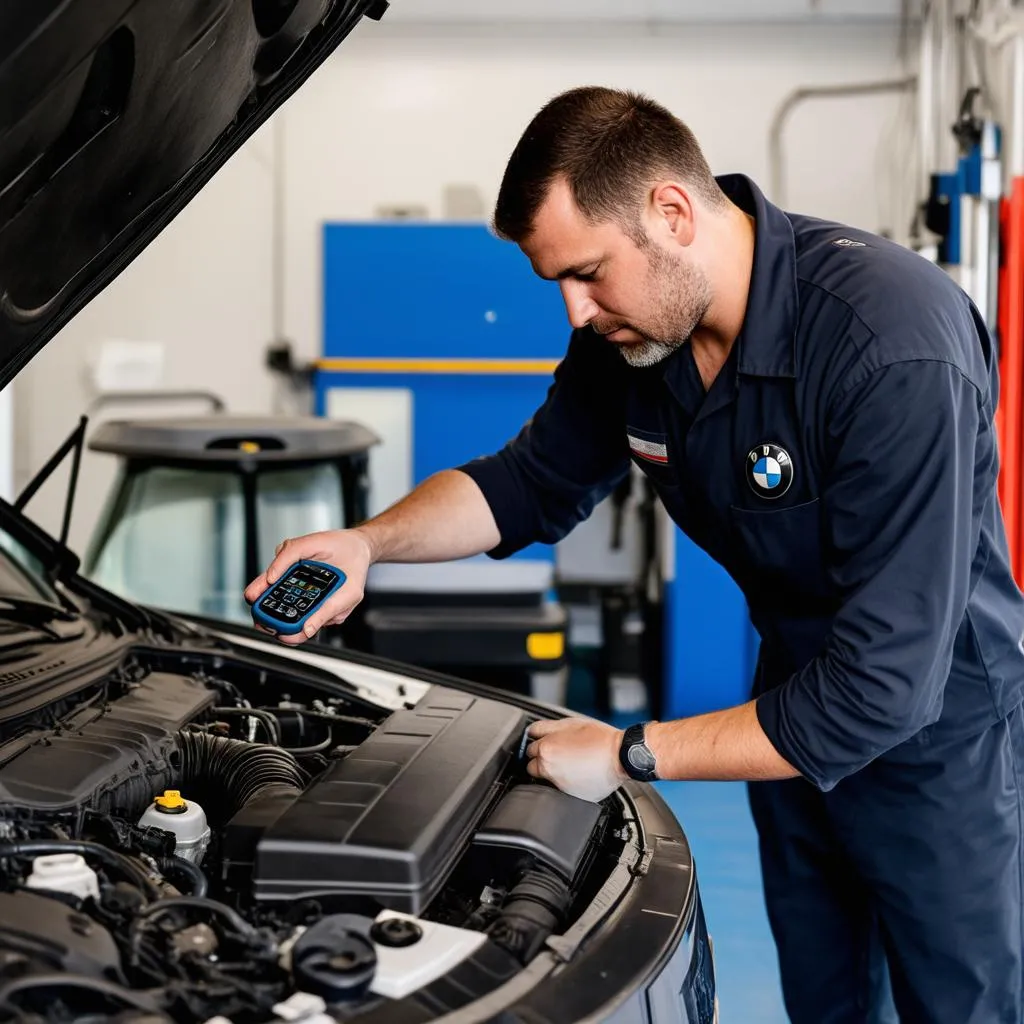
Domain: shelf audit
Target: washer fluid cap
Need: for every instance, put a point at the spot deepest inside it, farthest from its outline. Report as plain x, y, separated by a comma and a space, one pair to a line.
171, 802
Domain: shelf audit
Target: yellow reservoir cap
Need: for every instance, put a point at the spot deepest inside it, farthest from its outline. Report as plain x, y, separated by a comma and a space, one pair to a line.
171, 801
545, 646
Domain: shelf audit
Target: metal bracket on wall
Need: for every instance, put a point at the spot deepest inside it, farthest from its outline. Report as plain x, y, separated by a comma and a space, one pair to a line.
280, 360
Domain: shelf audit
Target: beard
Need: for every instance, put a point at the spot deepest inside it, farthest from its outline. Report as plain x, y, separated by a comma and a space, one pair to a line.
680, 296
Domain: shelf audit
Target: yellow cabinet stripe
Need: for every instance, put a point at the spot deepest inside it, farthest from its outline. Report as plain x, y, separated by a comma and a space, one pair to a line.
466, 366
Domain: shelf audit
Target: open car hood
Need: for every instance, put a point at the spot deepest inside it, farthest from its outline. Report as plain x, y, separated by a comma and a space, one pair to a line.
113, 115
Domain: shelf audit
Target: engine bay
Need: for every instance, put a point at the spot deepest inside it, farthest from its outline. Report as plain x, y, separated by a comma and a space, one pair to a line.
197, 837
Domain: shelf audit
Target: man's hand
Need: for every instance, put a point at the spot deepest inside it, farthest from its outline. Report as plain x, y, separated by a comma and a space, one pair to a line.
578, 755
348, 550
581, 756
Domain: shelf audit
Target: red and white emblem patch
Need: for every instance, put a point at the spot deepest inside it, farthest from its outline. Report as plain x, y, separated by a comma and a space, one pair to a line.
652, 451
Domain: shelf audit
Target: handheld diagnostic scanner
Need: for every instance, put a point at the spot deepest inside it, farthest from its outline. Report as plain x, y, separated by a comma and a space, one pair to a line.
287, 605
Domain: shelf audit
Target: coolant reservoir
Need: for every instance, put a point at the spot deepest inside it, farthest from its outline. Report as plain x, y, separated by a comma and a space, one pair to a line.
64, 872
185, 818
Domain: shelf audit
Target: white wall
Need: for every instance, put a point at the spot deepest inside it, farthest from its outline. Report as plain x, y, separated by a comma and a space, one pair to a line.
202, 289
399, 113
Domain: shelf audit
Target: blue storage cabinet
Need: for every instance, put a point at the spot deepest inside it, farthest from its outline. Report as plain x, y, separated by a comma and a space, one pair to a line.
458, 317
452, 314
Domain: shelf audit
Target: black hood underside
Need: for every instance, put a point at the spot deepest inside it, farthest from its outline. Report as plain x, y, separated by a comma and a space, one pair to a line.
113, 115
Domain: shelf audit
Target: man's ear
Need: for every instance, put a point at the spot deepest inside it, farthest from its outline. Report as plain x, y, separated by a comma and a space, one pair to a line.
674, 211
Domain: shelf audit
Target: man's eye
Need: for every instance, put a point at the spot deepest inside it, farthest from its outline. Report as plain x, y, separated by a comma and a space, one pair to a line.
590, 275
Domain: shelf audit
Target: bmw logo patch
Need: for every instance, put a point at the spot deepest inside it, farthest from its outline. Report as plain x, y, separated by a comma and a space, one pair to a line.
769, 471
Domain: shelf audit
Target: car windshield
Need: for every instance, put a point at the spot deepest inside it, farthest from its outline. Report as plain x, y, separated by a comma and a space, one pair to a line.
174, 538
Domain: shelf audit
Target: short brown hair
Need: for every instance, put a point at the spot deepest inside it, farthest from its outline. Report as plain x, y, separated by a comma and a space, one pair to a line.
609, 145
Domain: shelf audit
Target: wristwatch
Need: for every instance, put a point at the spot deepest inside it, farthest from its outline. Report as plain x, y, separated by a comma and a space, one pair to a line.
637, 759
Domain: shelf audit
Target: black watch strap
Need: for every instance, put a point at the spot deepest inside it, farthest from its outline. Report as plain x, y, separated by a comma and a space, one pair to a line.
637, 759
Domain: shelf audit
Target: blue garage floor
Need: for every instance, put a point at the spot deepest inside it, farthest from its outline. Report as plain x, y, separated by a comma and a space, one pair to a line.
718, 825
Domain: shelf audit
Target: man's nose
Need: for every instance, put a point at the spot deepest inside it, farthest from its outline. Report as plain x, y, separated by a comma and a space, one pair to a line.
579, 306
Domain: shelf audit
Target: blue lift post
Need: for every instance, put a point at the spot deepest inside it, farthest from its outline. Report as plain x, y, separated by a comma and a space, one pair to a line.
963, 208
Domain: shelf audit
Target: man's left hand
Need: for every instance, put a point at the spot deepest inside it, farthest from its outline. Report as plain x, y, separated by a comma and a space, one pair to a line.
578, 755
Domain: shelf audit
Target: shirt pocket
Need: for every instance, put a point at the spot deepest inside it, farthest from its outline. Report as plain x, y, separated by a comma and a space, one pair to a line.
652, 452
781, 549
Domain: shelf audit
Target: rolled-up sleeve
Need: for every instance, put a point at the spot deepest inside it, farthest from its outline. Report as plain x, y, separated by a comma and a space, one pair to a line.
567, 458
901, 515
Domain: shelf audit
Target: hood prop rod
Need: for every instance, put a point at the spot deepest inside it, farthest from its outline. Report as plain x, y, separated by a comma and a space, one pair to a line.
74, 443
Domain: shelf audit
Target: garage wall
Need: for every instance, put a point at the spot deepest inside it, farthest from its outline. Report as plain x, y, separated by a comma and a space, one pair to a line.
400, 113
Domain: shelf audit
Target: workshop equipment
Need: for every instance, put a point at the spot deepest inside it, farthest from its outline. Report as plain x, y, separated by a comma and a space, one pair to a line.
975, 206
505, 628
200, 504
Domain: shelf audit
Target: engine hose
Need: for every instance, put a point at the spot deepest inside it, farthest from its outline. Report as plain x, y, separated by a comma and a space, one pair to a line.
242, 930
185, 868
109, 858
232, 772
47, 983
533, 909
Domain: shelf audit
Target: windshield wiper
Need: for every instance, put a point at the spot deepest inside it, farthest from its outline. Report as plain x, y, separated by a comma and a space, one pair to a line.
41, 615
12, 605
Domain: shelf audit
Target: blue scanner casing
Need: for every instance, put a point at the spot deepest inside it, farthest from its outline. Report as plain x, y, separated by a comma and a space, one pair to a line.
286, 606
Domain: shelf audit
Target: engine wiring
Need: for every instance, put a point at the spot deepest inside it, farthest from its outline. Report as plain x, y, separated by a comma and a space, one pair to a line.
185, 949
259, 716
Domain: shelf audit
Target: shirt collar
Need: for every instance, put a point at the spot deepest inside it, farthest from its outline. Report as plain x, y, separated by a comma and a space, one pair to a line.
767, 340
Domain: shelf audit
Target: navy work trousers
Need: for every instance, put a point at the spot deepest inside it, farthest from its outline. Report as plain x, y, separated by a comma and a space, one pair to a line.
903, 885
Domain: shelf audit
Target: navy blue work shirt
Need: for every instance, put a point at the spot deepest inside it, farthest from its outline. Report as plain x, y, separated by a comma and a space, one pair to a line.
842, 468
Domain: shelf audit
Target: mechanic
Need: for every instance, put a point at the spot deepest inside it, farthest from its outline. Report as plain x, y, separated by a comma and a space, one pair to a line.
814, 405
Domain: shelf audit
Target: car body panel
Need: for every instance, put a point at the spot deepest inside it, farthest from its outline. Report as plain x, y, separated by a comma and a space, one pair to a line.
114, 114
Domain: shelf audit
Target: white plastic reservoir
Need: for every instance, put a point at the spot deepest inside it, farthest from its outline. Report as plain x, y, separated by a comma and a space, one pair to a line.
185, 818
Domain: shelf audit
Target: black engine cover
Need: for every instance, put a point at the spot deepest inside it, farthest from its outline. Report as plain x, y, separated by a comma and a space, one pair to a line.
135, 734
390, 820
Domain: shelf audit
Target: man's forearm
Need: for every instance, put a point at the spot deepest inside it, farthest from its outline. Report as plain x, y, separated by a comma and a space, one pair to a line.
723, 746
446, 517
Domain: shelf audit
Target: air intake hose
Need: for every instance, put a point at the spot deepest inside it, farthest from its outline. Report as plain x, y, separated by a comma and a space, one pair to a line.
219, 773
226, 774
533, 909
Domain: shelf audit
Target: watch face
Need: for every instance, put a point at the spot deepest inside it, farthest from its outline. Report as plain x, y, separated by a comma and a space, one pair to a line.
640, 758
637, 759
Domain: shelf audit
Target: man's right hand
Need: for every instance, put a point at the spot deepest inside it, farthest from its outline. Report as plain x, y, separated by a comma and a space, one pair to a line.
445, 517
348, 550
